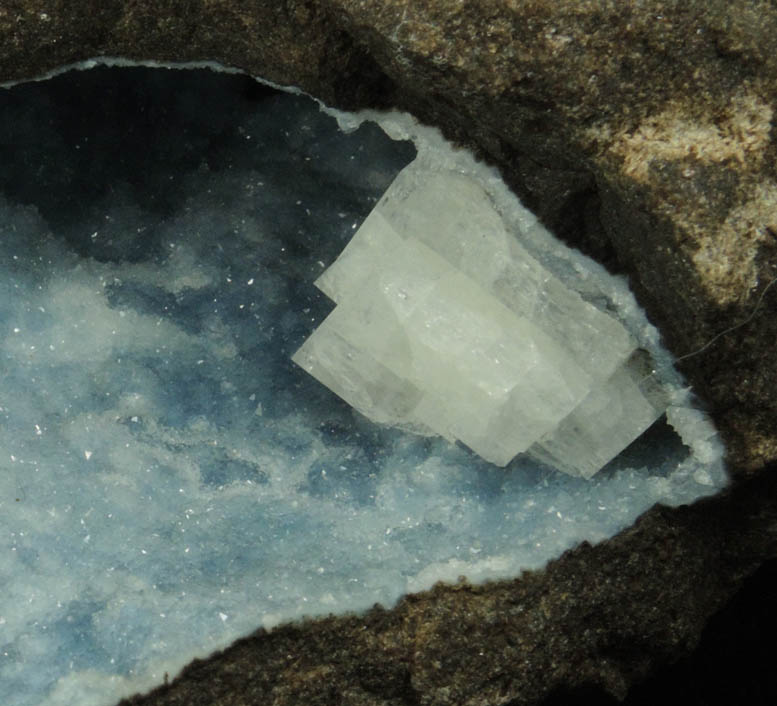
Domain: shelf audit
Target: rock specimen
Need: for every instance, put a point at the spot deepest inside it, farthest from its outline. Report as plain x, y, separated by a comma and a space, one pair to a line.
446, 325
641, 132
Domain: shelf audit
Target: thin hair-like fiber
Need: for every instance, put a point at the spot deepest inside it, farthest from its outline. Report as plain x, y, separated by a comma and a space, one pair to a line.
731, 328
717, 336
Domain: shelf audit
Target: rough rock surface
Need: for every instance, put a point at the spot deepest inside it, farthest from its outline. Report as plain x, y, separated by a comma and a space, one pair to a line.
642, 133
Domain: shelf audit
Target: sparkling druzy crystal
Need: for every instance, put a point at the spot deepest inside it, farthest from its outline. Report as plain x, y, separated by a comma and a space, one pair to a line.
445, 325
164, 464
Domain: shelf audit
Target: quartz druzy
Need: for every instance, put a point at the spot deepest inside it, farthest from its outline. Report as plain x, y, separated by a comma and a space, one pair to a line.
164, 463
446, 325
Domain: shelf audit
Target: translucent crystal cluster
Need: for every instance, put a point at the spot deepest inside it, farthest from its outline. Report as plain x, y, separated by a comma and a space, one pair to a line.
445, 325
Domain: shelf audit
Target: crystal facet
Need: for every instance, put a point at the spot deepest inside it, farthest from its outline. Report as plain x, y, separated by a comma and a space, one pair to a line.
446, 325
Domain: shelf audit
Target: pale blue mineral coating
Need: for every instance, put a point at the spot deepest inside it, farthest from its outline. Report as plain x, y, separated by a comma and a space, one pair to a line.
169, 479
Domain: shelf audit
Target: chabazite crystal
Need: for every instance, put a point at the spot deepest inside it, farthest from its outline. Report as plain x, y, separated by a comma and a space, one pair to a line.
445, 325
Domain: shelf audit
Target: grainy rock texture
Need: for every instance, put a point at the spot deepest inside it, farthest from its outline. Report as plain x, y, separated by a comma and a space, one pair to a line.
643, 133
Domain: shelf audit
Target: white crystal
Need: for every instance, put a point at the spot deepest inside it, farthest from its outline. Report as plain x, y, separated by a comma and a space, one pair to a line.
446, 325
